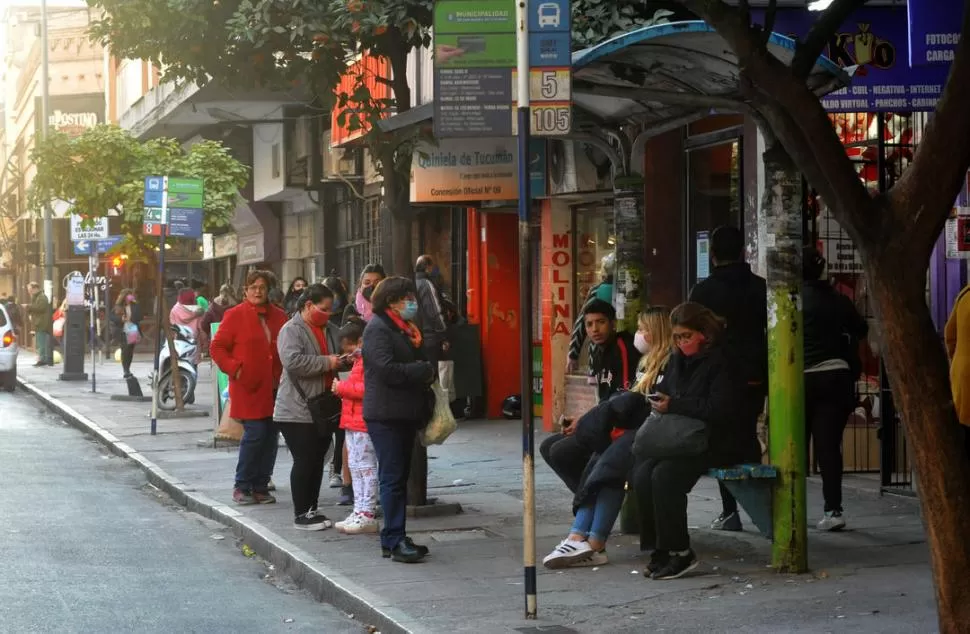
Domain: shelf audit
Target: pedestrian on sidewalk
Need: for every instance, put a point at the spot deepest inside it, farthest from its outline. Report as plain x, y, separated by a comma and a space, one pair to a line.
398, 401
701, 382
217, 309
369, 278
833, 331
602, 291
291, 301
128, 312
740, 298
42, 319
339, 473
186, 312
308, 351
615, 368
245, 349
957, 336
361, 456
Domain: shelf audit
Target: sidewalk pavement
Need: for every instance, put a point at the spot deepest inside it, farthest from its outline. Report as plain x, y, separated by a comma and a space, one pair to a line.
873, 577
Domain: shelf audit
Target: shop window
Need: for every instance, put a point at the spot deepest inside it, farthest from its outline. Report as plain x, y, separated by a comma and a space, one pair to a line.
594, 244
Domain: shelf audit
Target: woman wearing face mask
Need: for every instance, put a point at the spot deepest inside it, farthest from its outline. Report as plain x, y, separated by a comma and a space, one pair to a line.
308, 350
292, 298
369, 278
129, 312
701, 383
397, 403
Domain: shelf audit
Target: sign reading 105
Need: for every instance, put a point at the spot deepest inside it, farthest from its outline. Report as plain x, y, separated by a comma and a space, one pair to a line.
549, 119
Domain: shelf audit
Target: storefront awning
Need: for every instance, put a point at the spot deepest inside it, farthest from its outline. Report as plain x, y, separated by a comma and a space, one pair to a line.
668, 74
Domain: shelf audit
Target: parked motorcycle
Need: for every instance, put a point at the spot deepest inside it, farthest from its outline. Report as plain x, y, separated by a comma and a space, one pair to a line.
186, 347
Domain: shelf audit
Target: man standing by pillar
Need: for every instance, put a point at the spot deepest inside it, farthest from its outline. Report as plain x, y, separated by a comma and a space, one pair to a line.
739, 297
42, 319
431, 317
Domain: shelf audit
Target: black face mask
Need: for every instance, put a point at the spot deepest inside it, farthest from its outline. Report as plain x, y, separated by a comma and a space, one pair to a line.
367, 292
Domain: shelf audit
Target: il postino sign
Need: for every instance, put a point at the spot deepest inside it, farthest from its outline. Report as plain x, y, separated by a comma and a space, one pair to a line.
465, 170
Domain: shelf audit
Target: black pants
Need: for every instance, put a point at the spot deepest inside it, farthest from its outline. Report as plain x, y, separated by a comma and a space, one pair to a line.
752, 406
394, 445
339, 437
309, 453
127, 355
661, 487
566, 457
829, 400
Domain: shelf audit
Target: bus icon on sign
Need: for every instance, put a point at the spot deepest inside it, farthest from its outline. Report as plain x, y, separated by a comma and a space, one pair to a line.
549, 15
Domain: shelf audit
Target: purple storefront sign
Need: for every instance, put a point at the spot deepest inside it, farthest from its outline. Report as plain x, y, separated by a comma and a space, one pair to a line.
876, 40
934, 31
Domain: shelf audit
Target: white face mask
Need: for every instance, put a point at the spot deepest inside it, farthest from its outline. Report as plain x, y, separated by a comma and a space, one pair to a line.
640, 343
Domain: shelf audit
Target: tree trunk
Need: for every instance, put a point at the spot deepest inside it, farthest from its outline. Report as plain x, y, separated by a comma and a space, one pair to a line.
397, 220
918, 374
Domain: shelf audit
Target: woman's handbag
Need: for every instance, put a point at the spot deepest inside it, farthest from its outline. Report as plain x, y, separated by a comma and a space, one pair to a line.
132, 333
442, 423
670, 436
324, 409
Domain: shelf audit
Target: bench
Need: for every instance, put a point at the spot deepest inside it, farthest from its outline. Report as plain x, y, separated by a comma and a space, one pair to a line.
752, 485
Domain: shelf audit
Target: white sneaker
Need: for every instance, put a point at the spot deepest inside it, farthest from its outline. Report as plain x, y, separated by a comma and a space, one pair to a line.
833, 521
599, 558
336, 481
340, 525
567, 553
358, 524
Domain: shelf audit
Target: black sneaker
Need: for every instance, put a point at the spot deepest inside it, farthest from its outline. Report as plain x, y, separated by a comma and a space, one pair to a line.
658, 559
312, 521
677, 566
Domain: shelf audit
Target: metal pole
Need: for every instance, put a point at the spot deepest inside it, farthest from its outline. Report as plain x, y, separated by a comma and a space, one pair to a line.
159, 303
45, 122
93, 273
525, 313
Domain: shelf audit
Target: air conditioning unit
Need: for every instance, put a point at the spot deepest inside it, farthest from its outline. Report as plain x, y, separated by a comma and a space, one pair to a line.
302, 136
342, 163
576, 168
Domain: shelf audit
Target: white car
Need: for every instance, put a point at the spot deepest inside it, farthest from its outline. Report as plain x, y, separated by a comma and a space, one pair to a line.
8, 351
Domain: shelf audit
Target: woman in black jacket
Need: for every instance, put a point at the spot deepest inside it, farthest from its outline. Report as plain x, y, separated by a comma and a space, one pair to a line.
397, 403
701, 383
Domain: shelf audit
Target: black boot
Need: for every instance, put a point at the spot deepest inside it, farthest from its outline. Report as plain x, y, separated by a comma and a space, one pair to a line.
424, 550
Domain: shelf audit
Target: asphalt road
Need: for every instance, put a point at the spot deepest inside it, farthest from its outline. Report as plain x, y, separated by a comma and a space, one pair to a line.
86, 545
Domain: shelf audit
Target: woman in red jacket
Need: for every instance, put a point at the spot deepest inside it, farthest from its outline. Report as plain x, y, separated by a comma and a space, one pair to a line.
361, 457
245, 349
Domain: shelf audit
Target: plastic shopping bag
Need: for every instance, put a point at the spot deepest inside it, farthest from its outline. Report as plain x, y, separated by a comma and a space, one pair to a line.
442, 423
132, 333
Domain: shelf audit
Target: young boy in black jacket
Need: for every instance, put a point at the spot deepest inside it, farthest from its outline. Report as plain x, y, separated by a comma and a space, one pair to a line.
615, 370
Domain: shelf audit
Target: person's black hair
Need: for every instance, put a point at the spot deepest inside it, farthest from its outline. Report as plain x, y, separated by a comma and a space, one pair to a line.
314, 293
813, 264
423, 264
289, 291
374, 268
598, 306
391, 290
352, 330
727, 245
699, 318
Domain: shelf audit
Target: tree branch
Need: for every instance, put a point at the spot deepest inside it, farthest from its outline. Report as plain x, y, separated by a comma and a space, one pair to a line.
933, 180
811, 47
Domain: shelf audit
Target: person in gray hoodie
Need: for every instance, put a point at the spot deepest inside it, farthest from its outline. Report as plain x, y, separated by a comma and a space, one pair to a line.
309, 352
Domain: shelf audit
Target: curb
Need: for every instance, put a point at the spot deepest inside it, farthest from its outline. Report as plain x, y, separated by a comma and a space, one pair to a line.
325, 584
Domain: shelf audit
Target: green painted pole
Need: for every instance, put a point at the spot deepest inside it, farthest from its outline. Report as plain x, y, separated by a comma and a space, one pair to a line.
628, 286
781, 219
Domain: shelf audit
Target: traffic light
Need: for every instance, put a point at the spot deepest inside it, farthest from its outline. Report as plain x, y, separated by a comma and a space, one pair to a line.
117, 262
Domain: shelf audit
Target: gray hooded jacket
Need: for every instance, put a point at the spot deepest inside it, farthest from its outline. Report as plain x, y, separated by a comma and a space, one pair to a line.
302, 361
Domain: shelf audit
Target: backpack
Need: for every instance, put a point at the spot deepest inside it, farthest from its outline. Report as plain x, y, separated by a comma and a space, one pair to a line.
136, 314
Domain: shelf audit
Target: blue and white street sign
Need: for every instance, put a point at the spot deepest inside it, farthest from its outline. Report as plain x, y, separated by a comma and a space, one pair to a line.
550, 49
87, 247
549, 16
185, 223
154, 190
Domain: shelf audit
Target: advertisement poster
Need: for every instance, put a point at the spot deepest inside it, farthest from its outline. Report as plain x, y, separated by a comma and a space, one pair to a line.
877, 41
222, 382
934, 31
703, 255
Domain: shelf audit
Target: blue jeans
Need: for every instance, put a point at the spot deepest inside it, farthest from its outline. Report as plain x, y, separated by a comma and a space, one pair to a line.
257, 455
596, 520
393, 443
45, 352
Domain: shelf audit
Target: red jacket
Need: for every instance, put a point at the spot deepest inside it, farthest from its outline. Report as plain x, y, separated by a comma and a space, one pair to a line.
240, 344
352, 393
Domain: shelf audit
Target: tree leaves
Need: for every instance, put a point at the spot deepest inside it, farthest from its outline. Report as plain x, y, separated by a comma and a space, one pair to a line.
103, 170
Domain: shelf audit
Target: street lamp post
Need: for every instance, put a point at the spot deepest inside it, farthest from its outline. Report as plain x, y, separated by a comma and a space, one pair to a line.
45, 122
